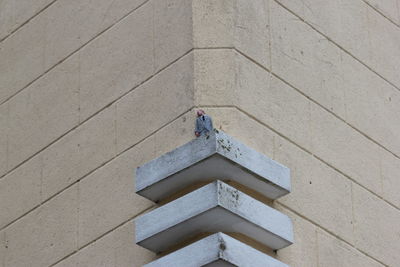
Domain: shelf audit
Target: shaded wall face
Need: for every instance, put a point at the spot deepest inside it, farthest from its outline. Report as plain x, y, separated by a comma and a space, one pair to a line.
89, 90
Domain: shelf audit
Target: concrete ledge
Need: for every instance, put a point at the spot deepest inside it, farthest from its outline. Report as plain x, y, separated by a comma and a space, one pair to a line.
216, 156
216, 207
217, 250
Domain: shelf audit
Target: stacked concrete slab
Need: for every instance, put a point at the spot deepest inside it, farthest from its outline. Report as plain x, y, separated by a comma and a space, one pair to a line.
197, 187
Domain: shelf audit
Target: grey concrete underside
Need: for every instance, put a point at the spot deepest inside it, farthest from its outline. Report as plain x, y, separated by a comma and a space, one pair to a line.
216, 156
216, 207
217, 250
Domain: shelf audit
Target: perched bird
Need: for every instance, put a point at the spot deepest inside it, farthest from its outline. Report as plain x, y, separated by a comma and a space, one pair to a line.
204, 123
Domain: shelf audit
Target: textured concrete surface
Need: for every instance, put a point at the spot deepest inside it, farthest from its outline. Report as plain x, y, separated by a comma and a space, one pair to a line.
371, 103
391, 179
250, 87
333, 252
249, 132
314, 181
306, 60
273, 101
43, 112
382, 41
171, 87
333, 78
13, 14
214, 76
283, 108
389, 8
212, 208
353, 21
20, 191
70, 25
216, 155
3, 248
313, 84
172, 30
240, 24
3, 138
99, 214
375, 227
216, 250
112, 250
213, 23
252, 34
344, 147
79, 152
111, 61
46, 234
304, 251
61, 28
17, 72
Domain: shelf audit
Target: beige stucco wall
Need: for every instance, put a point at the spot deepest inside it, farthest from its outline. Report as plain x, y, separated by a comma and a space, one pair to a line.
91, 89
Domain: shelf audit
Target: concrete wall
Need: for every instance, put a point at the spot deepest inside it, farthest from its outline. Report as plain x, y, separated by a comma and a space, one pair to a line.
91, 89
